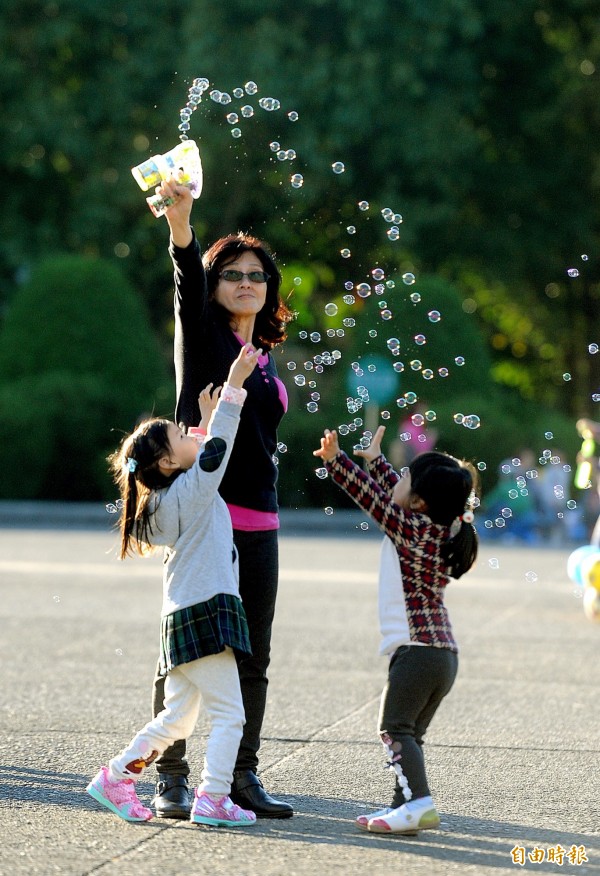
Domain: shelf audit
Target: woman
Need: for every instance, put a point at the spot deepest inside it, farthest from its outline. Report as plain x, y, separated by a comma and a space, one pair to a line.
226, 299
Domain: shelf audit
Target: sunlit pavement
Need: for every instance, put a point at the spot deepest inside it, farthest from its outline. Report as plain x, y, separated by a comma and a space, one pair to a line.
512, 754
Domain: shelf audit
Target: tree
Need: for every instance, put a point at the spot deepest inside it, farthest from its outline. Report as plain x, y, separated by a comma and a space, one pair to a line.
79, 366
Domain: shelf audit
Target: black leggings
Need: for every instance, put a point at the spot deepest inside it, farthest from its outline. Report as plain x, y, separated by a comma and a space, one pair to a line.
418, 680
259, 566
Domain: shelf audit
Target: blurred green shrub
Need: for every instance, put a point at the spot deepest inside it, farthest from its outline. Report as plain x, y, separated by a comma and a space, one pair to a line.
79, 365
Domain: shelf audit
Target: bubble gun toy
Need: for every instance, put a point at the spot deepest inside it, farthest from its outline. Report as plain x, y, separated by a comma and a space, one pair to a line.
183, 163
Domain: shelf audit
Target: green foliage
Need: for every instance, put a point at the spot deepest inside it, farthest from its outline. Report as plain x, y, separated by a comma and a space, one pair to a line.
79, 365
477, 121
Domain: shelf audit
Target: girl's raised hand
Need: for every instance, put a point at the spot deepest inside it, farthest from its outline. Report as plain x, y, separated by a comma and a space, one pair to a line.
329, 446
374, 449
243, 366
207, 402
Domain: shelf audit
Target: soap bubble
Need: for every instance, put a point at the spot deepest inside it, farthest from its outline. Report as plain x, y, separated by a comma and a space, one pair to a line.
472, 421
321, 473
363, 205
251, 87
398, 367
232, 118
364, 290
349, 322
443, 372
460, 360
415, 297
297, 180
328, 510
293, 116
427, 374
236, 132
386, 314
378, 273
364, 525
572, 272
351, 229
247, 111
430, 416
312, 407
331, 309
274, 146
434, 316
408, 278
338, 167
420, 340
593, 349
393, 233
238, 92
291, 366
345, 253
299, 380
348, 299
393, 344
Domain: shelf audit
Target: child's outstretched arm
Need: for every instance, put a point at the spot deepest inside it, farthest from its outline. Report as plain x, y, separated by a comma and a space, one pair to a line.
377, 465
329, 446
374, 449
243, 366
207, 402
364, 490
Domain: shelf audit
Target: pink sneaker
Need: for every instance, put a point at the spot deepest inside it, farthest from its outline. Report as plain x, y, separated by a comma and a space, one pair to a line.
224, 813
119, 797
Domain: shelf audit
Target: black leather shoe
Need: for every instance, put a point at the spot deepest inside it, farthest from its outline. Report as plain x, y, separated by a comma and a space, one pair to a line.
172, 797
248, 792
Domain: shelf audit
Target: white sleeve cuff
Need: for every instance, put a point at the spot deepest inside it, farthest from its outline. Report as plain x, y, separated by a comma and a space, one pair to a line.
233, 395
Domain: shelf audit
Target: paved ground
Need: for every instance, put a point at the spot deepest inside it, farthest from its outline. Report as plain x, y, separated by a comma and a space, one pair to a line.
512, 754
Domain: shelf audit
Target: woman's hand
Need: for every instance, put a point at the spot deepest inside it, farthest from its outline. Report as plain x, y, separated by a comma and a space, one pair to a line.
178, 214
329, 446
374, 449
243, 366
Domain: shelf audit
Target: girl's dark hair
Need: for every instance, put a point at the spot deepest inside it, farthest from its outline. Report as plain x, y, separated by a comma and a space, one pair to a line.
272, 319
134, 467
447, 485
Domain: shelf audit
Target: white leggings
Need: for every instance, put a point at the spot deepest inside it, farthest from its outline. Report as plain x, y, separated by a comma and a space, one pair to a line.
213, 680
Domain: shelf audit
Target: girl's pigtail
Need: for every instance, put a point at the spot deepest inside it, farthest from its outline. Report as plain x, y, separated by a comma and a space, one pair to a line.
135, 471
460, 552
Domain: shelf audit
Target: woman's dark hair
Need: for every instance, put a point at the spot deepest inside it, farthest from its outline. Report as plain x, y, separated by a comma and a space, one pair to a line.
272, 319
134, 467
447, 485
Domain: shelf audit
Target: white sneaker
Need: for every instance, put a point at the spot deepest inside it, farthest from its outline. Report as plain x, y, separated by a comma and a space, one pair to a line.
405, 820
363, 820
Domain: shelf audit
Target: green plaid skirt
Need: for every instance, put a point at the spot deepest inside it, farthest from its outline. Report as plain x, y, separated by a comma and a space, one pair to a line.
203, 629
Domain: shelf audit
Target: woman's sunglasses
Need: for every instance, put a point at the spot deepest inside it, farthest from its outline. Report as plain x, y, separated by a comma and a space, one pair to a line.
253, 276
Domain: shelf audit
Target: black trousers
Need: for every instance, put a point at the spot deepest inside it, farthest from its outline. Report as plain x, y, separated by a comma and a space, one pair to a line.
418, 680
259, 567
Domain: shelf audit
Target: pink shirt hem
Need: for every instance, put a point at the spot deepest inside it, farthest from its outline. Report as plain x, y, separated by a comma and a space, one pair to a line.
251, 520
